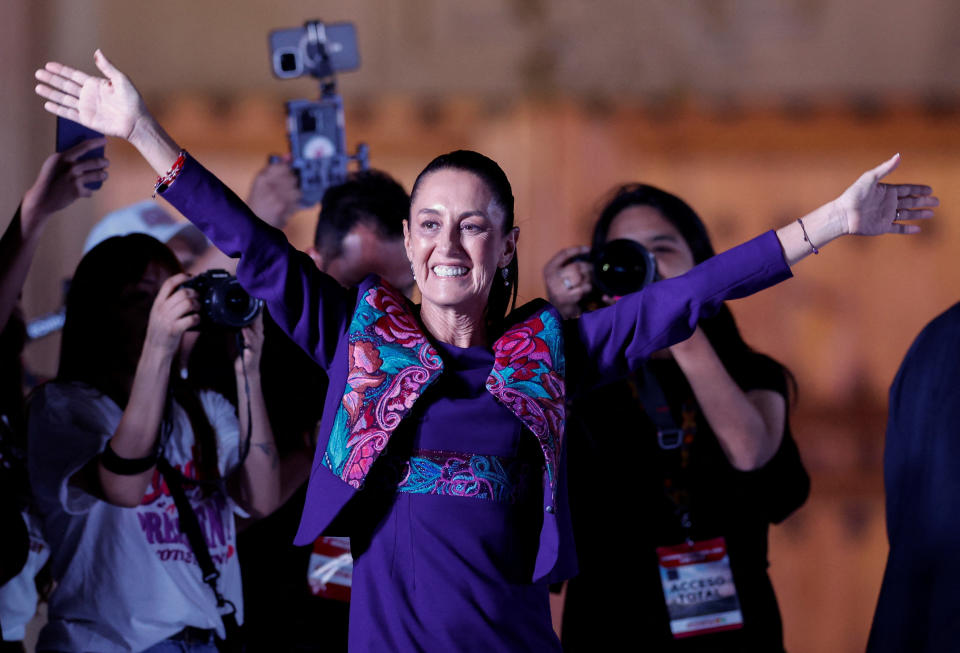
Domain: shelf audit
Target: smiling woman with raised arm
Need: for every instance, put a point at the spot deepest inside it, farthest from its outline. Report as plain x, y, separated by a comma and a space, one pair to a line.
441, 445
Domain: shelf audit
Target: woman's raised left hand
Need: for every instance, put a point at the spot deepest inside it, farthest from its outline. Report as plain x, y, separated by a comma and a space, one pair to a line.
110, 104
871, 208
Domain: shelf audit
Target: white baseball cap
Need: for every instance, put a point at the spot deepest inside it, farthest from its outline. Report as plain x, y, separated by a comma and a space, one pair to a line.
146, 217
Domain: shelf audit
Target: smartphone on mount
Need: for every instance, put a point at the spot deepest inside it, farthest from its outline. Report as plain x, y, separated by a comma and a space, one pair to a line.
70, 133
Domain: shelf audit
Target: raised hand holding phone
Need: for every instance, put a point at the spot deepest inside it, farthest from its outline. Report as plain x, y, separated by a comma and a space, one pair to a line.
63, 178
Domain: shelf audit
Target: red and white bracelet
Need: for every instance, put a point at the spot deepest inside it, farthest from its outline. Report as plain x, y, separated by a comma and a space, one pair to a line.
164, 181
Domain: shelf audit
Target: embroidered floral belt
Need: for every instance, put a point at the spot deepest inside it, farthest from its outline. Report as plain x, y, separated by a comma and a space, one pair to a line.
478, 476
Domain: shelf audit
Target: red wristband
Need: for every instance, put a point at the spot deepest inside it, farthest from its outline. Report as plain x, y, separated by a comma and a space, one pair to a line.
164, 181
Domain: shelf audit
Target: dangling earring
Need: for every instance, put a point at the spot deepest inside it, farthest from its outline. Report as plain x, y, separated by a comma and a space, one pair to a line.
412, 273
505, 272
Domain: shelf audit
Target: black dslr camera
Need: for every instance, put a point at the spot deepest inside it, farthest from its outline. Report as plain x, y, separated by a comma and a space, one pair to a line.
315, 128
620, 267
223, 301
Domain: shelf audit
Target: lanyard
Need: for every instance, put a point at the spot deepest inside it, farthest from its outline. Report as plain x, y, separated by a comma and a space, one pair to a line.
673, 442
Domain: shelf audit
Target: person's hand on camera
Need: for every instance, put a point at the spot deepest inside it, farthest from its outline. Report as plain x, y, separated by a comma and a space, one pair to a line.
275, 193
872, 208
252, 347
568, 281
61, 181
109, 104
174, 311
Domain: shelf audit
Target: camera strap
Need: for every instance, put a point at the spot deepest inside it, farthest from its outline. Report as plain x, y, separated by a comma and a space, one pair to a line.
190, 526
669, 435
673, 442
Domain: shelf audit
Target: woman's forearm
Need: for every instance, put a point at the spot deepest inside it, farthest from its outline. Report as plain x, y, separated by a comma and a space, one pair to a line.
823, 225
260, 487
749, 426
136, 435
17, 248
154, 144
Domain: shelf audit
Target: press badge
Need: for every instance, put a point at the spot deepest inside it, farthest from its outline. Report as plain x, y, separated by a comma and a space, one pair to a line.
698, 587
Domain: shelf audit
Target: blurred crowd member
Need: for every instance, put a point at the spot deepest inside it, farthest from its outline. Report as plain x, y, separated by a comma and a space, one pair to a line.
359, 232
714, 465
273, 196
61, 180
147, 217
918, 608
124, 455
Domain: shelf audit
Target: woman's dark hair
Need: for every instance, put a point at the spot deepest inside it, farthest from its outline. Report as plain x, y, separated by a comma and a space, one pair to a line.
503, 297
721, 329
106, 327
672, 208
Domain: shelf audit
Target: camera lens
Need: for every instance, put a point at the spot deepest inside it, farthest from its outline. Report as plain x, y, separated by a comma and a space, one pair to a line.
288, 62
623, 266
237, 301
237, 308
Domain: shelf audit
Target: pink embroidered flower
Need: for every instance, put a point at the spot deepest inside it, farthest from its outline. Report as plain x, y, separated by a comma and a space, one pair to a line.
398, 324
365, 363
405, 394
364, 357
521, 341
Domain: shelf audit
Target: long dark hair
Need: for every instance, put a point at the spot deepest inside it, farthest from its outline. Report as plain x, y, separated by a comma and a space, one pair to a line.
503, 296
102, 350
721, 329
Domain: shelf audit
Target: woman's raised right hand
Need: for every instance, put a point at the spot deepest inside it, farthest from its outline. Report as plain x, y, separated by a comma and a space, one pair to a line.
174, 311
110, 104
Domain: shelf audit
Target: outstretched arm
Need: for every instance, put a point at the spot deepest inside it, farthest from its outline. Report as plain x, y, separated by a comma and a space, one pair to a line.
613, 341
311, 307
274, 197
61, 180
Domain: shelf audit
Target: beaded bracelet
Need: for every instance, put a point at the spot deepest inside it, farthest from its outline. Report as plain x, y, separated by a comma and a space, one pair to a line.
807, 238
164, 181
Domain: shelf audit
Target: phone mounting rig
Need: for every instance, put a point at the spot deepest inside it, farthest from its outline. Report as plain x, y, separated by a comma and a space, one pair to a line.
316, 128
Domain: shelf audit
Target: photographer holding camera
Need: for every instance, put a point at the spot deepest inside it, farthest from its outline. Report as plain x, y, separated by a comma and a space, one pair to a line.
132, 466
713, 455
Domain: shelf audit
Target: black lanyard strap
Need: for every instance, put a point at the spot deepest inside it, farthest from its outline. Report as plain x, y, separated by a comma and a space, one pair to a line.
669, 435
673, 445
190, 526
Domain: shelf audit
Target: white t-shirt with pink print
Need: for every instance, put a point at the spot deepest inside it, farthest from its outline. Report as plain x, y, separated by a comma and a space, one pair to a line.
126, 577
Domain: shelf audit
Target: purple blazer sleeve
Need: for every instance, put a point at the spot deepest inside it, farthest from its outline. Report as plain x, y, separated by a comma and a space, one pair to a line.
307, 304
609, 343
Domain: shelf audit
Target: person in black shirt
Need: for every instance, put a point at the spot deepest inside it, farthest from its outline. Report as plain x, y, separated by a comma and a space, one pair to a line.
712, 465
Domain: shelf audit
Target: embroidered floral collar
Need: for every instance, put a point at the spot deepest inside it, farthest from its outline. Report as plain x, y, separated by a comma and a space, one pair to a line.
391, 363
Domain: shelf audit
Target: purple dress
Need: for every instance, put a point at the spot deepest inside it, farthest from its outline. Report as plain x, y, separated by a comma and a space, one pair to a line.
445, 465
